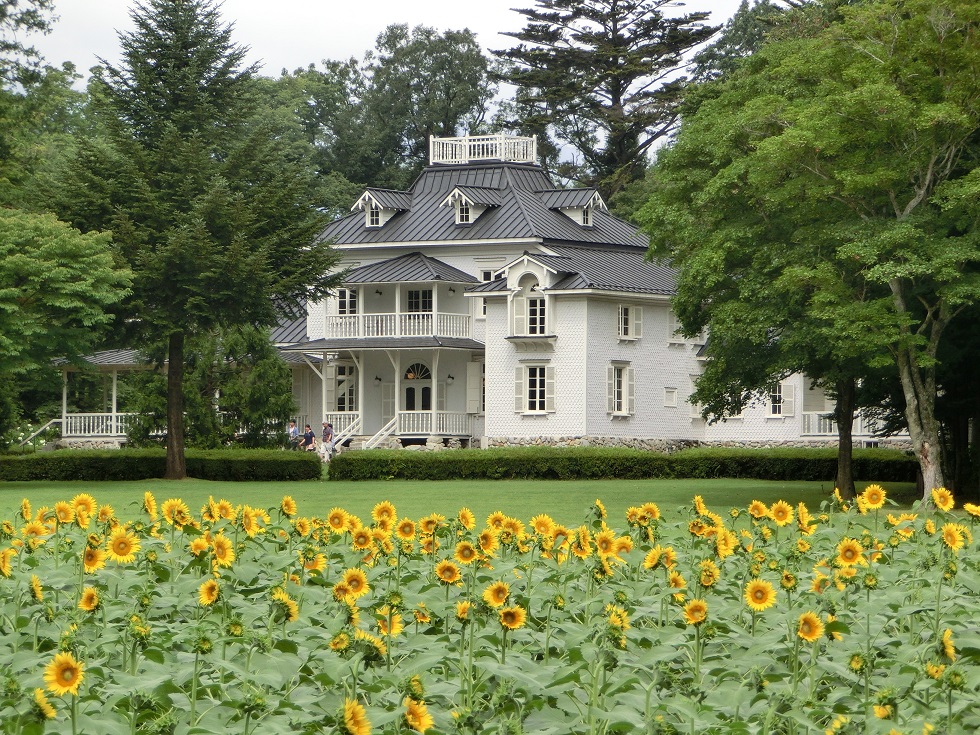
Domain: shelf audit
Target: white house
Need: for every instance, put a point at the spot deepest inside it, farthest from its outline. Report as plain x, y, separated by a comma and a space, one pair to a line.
485, 307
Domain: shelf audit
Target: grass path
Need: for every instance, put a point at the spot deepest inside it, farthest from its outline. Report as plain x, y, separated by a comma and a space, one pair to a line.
566, 501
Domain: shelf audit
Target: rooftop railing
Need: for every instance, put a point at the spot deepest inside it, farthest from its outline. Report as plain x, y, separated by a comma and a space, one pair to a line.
471, 148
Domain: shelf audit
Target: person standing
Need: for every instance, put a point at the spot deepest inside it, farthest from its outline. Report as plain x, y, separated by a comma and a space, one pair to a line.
293, 435
309, 440
327, 440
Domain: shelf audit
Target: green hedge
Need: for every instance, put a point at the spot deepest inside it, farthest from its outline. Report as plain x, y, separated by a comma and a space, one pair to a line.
549, 463
145, 464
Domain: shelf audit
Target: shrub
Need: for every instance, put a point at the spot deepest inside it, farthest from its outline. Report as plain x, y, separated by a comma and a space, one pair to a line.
144, 464
550, 463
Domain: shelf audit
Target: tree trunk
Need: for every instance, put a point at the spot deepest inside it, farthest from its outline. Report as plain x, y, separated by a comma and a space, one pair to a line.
844, 416
920, 407
176, 464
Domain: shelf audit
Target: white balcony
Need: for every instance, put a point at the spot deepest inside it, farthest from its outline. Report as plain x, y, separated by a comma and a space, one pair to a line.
96, 424
416, 324
483, 148
420, 423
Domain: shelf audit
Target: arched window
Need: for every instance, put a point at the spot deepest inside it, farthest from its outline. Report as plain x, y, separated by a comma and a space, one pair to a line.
418, 371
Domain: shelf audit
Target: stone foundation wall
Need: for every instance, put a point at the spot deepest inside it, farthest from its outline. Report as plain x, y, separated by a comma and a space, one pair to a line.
90, 443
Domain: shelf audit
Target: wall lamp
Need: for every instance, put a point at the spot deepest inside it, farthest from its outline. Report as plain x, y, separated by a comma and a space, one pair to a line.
450, 379
378, 291
452, 290
378, 378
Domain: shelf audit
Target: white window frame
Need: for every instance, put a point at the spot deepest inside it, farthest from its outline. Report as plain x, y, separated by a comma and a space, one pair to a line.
463, 213
537, 315
629, 322
782, 401
346, 397
417, 298
346, 301
485, 277
670, 397
620, 389
373, 215
538, 377
587, 217
694, 409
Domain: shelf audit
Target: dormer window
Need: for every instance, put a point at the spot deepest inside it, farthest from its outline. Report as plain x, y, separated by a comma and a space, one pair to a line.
587, 217
463, 213
374, 215
578, 205
380, 205
469, 202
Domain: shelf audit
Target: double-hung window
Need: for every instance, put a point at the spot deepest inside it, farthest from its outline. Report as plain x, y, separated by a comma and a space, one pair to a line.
535, 315
420, 301
782, 400
346, 301
620, 390
629, 325
374, 215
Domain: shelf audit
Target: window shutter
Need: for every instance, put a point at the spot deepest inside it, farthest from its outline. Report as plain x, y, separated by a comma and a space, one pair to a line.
473, 374
519, 399
672, 327
610, 389
789, 400
549, 389
330, 378
519, 305
636, 330
630, 391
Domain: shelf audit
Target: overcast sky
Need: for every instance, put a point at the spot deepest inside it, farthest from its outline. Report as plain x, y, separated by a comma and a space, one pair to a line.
294, 33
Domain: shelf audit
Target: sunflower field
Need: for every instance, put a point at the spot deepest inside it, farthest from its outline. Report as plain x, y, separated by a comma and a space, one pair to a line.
765, 619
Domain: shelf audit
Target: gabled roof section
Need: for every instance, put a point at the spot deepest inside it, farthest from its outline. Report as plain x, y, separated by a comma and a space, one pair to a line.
572, 198
409, 268
525, 193
400, 201
607, 270
479, 196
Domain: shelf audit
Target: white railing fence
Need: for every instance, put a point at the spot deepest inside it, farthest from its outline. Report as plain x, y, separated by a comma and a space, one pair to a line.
415, 324
97, 424
483, 148
817, 423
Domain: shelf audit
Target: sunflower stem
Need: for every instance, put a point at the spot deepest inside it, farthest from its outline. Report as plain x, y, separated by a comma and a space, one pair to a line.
197, 671
74, 714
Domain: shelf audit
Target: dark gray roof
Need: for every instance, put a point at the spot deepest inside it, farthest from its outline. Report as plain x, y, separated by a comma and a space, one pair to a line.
296, 358
480, 195
333, 344
498, 284
390, 198
522, 213
559, 198
409, 268
290, 330
109, 358
622, 269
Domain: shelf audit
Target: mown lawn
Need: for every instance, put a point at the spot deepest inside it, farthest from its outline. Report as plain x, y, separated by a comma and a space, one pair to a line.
564, 500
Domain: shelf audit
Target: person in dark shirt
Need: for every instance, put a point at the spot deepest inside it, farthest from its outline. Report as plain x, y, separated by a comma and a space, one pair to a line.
327, 444
309, 440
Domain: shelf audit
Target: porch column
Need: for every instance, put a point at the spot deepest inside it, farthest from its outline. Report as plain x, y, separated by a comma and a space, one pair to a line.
435, 390
115, 401
398, 316
435, 307
64, 403
323, 387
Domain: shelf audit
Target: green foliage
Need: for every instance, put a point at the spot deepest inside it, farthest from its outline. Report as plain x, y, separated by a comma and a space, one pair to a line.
543, 463
143, 464
56, 286
593, 76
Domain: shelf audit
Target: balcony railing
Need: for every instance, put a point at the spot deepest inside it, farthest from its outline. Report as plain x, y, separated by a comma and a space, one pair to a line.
821, 424
483, 148
419, 423
416, 324
97, 424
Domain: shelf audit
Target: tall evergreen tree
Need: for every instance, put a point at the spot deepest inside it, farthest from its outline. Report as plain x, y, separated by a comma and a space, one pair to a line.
605, 77
215, 214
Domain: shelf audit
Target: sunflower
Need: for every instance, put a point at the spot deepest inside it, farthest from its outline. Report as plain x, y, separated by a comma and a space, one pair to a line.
582, 543
463, 610
288, 506
90, 600
934, 670
651, 511
417, 716
883, 711
618, 617
810, 627
850, 552
952, 534
488, 542
64, 674
198, 545
513, 618
286, 604
430, 544
695, 612
25, 509
250, 521
93, 559
356, 582
543, 524
337, 519
303, 526
122, 546
6, 561
972, 509
709, 573
943, 499
949, 650
384, 512
222, 551
758, 510
760, 595
226, 510
175, 512
725, 543
675, 580
42, 706
430, 523
873, 497
106, 514
465, 553
355, 718
361, 538
37, 591
496, 594
405, 530
787, 580
447, 572
421, 614
317, 564
64, 513
84, 503
340, 642
599, 508
653, 557
781, 512
209, 592
466, 519
605, 543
